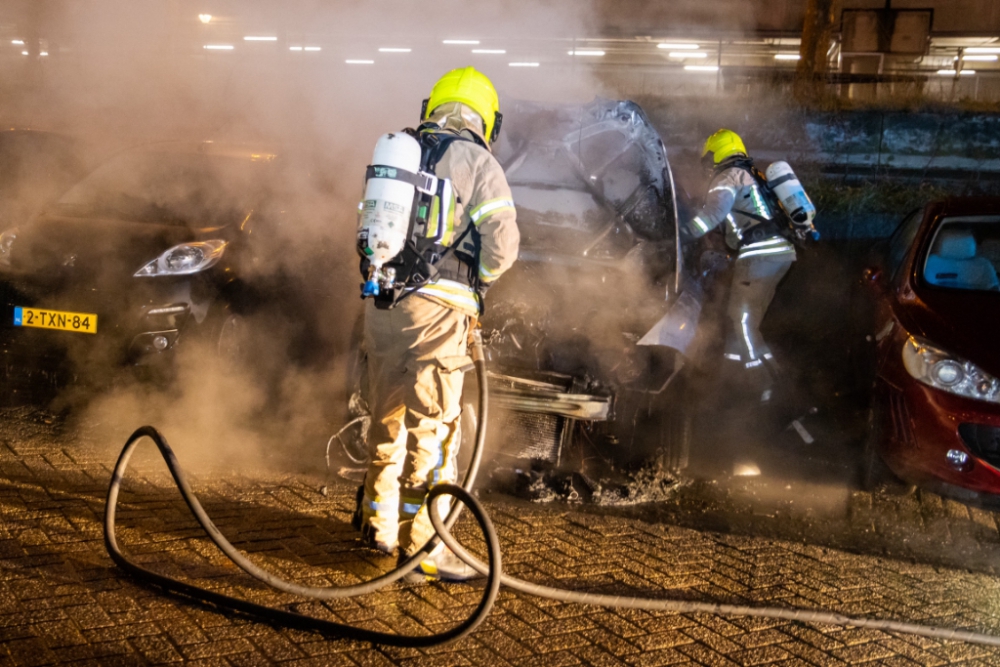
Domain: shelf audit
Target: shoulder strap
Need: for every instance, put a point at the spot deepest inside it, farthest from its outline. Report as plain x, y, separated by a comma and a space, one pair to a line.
434, 144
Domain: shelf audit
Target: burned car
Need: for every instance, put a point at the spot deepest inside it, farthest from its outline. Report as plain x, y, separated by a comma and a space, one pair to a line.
935, 412
157, 248
571, 377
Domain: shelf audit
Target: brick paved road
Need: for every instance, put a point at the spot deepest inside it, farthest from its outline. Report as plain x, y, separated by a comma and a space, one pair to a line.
62, 601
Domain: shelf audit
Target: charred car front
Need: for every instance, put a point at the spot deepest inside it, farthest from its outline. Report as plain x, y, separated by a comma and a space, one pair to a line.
597, 214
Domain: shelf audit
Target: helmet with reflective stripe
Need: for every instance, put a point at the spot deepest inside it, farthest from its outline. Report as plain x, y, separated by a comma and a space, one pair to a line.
472, 88
723, 144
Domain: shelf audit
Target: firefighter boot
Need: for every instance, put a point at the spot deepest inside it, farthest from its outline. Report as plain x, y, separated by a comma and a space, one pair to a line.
440, 565
368, 536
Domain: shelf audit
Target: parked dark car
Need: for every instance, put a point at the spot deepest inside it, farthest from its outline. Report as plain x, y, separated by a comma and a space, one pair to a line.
35, 168
935, 412
157, 248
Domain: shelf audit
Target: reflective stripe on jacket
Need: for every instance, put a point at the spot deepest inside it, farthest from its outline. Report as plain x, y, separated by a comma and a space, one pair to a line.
734, 197
483, 200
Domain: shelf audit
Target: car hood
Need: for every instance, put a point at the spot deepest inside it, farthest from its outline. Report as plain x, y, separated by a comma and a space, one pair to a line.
963, 322
91, 253
590, 181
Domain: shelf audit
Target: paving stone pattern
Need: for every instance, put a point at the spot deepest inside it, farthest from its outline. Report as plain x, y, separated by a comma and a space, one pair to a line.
62, 600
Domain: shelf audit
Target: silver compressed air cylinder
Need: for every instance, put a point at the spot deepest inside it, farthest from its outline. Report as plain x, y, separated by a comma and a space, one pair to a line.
786, 186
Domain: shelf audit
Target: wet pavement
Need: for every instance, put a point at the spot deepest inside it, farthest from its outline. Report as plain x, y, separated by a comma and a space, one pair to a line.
62, 600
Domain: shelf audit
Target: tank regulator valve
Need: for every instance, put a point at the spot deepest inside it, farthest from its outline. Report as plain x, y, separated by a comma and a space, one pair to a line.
370, 288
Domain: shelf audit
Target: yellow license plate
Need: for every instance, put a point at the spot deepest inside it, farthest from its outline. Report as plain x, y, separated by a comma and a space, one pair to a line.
55, 319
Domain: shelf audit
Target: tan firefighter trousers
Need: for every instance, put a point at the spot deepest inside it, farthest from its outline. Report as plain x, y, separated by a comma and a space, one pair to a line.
415, 355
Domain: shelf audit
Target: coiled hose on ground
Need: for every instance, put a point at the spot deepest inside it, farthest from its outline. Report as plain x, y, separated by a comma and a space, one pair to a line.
492, 569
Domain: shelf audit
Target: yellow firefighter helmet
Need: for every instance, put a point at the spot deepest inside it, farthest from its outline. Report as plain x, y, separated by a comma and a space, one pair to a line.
472, 88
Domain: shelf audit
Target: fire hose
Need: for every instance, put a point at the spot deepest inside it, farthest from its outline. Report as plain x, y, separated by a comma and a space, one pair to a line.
492, 569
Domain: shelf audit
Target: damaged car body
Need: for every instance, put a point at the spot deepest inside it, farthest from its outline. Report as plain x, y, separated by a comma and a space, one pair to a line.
573, 385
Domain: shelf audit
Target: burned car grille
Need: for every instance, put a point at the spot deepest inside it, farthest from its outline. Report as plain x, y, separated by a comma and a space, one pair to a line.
983, 440
534, 437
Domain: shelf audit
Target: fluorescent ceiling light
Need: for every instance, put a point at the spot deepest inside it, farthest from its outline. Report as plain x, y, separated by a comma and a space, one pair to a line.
489, 50
524, 64
674, 46
24, 53
389, 49
18, 42
314, 48
44, 53
688, 54
260, 38
204, 18
983, 49
702, 68
360, 62
787, 56
951, 72
586, 52
472, 42
219, 47
984, 59
294, 48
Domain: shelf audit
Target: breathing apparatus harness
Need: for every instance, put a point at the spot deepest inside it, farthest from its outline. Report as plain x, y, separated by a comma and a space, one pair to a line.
765, 228
492, 569
424, 259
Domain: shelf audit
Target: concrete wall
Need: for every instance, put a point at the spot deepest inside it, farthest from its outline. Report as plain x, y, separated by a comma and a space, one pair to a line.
674, 17
950, 16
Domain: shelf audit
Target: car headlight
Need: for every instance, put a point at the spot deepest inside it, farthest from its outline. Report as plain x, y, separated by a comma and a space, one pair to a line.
185, 259
7, 238
942, 370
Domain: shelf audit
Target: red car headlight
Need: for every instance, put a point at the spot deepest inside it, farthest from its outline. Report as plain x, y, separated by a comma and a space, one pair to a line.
942, 370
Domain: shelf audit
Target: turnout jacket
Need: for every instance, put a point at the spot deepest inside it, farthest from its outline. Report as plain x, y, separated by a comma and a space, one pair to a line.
484, 202
735, 198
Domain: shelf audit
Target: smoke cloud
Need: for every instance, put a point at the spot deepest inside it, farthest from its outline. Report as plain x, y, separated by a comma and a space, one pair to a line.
116, 75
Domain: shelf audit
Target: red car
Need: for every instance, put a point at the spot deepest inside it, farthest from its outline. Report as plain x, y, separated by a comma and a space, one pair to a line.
935, 415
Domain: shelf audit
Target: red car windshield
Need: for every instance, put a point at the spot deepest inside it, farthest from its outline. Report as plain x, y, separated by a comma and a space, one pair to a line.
965, 254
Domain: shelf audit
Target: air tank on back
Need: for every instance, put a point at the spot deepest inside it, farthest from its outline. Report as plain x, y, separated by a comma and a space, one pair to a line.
786, 186
384, 216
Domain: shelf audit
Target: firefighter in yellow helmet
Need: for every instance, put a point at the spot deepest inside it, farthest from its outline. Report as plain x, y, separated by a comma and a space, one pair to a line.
417, 349
754, 232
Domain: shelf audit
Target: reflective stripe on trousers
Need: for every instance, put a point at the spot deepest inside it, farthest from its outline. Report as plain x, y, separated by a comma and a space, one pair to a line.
755, 280
415, 352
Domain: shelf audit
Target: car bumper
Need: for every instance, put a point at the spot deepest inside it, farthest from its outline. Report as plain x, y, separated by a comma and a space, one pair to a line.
928, 424
134, 327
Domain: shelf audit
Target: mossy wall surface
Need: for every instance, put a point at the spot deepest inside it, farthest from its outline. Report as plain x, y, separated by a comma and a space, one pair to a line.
864, 169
